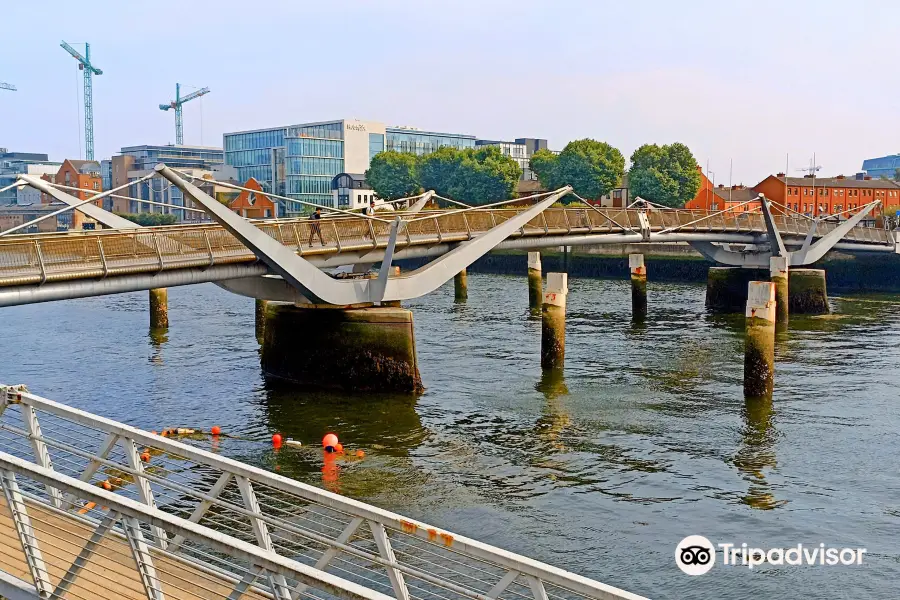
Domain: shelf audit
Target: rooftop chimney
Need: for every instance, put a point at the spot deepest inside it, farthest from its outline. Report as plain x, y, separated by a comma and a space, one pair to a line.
867, 177
780, 175
721, 186
839, 177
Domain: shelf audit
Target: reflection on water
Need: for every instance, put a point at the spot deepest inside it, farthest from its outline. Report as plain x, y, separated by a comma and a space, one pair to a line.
756, 454
643, 439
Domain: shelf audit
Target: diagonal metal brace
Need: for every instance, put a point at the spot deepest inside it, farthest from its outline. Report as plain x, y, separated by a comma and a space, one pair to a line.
810, 253
775, 240
376, 292
104, 217
420, 203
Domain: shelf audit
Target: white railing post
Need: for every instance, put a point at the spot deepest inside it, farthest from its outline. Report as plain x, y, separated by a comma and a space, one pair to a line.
41, 453
261, 531
143, 486
387, 553
142, 558
25, 532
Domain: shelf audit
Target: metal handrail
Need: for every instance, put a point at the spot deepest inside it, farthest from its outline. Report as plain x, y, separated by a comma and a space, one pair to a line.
124, 508
494, 567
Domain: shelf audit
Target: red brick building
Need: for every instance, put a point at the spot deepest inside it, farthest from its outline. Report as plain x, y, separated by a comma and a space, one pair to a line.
253, 205
830, 195
711, 197
81, 174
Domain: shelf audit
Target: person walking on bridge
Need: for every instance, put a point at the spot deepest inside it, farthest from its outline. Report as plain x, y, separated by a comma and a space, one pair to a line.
369, 211
315, 227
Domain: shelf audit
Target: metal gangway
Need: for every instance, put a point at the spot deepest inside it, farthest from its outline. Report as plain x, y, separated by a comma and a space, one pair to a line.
96, 509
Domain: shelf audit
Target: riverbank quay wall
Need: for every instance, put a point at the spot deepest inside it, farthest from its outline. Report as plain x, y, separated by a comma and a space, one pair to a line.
675, 263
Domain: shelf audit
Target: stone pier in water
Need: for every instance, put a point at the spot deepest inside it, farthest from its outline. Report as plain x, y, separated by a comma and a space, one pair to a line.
759, 348
360, 349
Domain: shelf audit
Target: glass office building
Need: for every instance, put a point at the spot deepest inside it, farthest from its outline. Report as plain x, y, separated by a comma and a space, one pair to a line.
884, 166
407, 139
300, 161
180, 157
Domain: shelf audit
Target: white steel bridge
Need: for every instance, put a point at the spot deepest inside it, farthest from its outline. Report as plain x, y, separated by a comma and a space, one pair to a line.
282, 259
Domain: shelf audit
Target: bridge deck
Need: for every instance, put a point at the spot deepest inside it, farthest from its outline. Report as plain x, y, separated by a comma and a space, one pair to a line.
40, 258
111, 572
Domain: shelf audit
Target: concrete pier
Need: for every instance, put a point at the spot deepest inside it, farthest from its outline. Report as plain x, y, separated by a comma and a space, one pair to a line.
726, 288
260, 319
638, 286
778, 273
807, 293
461, 286
759, 349
360, 349
553, 322
159, 308
535, 282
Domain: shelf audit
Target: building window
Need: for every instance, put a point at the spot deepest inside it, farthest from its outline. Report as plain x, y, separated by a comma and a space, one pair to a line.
96, 185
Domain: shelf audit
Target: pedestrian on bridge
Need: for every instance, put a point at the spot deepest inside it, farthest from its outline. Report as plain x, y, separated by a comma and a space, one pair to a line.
315, 227
369, 211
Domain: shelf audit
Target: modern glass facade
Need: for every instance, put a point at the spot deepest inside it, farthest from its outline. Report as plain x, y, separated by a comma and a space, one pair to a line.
300, 161
418, 142
13, 164
180, 157
315, 154
884, 166
106, 174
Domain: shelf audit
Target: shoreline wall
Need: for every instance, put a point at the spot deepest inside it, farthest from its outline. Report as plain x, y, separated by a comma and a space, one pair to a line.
672, 263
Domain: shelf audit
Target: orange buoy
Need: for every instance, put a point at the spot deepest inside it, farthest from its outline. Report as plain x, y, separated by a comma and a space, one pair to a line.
329, 440
216, 430
106, 485
339, 448
276, 440
360, 453
145, 456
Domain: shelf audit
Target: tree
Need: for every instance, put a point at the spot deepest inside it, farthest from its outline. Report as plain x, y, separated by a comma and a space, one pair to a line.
543, 163
473, 175
150, 219
664, 174
897, 175
393, 175
592, 168
437, 170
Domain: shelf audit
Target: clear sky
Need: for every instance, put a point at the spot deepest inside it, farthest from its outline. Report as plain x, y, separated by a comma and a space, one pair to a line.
742, 81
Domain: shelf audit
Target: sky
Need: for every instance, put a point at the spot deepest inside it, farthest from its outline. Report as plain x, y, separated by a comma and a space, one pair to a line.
749, 86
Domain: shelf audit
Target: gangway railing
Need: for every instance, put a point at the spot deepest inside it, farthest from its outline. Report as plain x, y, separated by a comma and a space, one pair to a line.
102, 508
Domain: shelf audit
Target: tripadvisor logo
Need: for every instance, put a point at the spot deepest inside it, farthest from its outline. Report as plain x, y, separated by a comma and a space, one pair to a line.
696, 555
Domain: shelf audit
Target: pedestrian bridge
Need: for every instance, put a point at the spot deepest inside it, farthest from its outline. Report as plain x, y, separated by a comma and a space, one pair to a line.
93, 509
281, 259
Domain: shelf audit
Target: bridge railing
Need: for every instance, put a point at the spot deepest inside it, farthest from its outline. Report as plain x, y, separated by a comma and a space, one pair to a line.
358, 543
40, 258
118, 551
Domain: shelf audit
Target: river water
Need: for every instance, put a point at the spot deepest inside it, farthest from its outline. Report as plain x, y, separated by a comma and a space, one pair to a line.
646, 439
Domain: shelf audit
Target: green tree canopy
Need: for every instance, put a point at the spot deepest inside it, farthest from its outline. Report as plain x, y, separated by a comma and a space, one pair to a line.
393, 175
472, 175
592, 168
664, 174
543, 163
150, 219
437, 170
896, 174
485, 175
